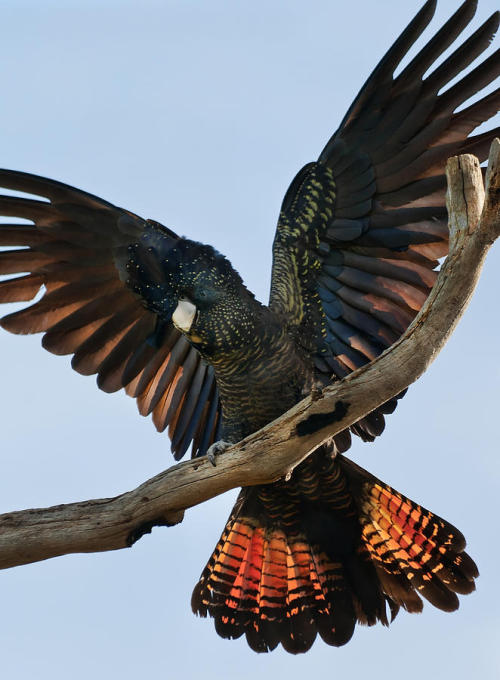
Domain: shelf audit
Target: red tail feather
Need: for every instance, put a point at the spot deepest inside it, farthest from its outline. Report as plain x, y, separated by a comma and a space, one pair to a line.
285, 580
405, 539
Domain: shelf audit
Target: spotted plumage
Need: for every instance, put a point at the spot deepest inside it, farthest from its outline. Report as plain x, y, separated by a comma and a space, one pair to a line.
357, 245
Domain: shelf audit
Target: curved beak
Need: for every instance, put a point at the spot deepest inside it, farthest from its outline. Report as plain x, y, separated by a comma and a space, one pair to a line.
183, 315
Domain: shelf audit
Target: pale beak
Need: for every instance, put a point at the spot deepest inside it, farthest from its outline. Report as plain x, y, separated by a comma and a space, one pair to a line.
184, 314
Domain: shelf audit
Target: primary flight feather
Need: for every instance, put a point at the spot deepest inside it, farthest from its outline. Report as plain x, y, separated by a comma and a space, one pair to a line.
169, 320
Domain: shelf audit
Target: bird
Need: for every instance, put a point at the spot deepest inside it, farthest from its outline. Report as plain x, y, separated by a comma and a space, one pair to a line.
359, 237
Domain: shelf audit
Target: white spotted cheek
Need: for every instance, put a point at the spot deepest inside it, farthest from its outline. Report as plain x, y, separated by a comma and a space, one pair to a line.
184, 314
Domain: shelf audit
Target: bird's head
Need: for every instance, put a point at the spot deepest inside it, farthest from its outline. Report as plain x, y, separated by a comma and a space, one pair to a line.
213, 307
192, 286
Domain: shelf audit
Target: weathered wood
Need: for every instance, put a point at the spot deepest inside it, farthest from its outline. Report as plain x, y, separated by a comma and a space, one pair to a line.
113, 523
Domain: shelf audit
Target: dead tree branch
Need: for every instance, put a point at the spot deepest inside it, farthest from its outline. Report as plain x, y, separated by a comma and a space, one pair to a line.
112, 523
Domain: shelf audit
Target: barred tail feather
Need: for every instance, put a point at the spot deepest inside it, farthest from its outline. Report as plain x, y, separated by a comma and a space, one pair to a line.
414, 551
273, 588
285, 579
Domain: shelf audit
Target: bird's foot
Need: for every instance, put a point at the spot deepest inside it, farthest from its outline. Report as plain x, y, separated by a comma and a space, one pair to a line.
215, 449
316, 390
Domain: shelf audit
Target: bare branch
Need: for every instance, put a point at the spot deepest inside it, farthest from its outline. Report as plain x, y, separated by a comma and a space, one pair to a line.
113, 523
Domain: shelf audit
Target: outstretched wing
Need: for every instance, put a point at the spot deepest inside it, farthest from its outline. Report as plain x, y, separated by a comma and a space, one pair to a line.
104, 301
361, 230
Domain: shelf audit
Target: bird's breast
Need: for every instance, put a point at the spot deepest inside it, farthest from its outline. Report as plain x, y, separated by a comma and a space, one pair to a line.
259, 385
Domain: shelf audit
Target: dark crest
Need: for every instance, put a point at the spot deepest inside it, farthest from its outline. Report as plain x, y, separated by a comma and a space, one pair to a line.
162, 269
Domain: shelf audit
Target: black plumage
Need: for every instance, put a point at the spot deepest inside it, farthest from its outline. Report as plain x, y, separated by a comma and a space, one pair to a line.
355, 254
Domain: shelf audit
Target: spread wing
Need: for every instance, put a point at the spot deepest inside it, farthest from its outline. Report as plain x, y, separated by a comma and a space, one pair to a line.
104, 301
361, 230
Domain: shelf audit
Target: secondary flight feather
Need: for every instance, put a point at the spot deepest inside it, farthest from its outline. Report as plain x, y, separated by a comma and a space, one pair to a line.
169, 320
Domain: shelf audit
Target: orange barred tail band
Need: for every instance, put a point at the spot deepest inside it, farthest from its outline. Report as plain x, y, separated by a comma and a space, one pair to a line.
274, 589
283, 580
414, 551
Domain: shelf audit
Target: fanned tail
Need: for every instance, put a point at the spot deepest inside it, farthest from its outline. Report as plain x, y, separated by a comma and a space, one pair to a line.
287, 567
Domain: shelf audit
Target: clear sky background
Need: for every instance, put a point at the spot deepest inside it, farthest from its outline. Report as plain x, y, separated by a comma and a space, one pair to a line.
198, 114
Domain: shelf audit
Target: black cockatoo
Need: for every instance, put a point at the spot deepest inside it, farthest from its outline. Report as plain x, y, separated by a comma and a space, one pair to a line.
355, 254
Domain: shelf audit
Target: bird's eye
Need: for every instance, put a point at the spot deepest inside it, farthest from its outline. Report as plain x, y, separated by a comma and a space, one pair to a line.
202, 294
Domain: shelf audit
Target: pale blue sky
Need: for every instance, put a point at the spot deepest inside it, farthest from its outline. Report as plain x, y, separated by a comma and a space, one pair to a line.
198, 114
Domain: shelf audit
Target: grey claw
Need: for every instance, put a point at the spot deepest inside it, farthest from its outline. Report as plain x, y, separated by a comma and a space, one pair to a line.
317, 390
215, 449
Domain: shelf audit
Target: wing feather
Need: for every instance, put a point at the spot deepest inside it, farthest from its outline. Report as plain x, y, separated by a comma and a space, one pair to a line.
361, 230
77, 249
